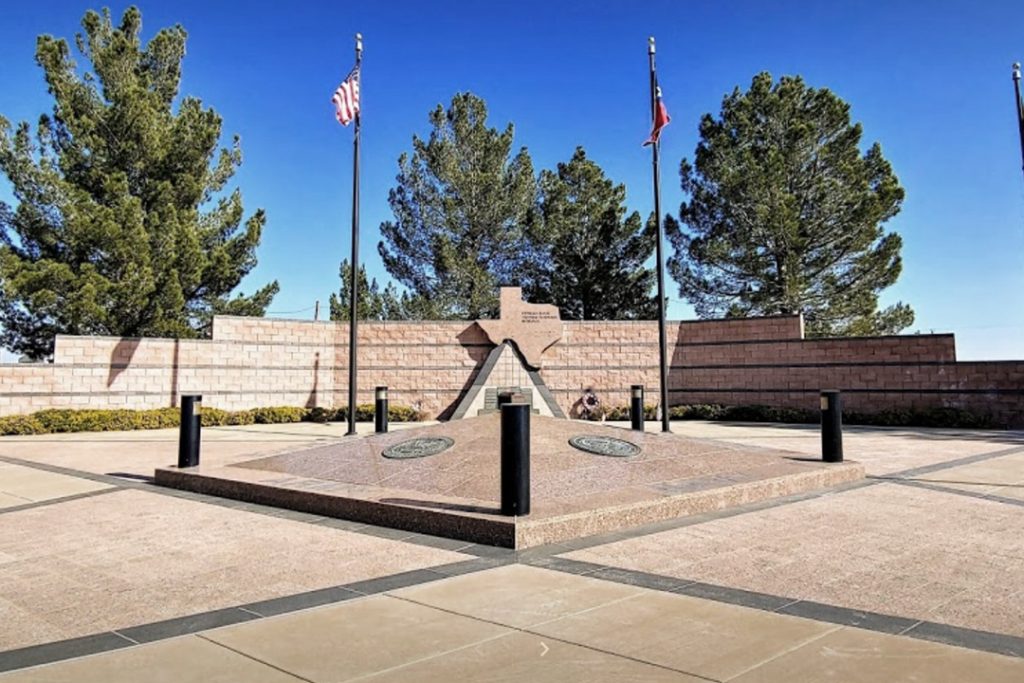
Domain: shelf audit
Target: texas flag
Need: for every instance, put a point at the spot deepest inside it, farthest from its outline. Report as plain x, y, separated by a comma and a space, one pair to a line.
661, 117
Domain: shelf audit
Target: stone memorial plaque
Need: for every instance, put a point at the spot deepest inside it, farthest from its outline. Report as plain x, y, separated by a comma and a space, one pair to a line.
604, 445
531, 327
418, 448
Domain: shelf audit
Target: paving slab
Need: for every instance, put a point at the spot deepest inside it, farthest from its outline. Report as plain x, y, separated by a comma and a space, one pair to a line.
181, 660
518, 596
528, 657
355, 638
132, 557
22, 485
857, 656
456, 492
649, 635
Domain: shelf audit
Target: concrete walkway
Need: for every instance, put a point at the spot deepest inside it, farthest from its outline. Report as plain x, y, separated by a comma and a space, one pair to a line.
913, 575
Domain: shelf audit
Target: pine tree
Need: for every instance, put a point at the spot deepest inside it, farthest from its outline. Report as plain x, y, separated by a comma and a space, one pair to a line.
785, 214
593, 254
461, 208
374, 303
122, 224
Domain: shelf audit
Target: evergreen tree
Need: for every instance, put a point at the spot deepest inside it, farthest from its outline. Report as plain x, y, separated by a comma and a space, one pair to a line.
785, 214
122, 224
593, 254
374, 303
461, 208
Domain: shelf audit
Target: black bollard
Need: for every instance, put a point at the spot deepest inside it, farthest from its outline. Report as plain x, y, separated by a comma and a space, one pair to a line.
515, 459
831, 426
189, 431
636, 406
380, 410
505, 397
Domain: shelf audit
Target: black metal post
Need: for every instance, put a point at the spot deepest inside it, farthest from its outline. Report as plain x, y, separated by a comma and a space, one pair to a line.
831, 426
380, 410
505, 397
353, 350
636, 406
189, 431
1020, 108
662, 342
515, 459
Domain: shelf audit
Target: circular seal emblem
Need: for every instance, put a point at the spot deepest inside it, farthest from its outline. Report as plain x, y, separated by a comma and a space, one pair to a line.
418, 448
604, 445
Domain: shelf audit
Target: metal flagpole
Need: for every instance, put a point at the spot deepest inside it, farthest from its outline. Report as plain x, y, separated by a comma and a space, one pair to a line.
353, 350
1020, 108
662, 345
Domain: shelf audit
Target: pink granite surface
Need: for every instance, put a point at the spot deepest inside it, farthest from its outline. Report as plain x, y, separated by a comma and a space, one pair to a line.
574, 493
892, 549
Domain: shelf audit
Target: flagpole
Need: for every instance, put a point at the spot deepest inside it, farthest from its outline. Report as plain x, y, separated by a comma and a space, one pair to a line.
1020, 109
353, 347
662, 343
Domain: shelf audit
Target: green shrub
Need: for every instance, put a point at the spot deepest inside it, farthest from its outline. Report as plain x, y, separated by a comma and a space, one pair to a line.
213, 417
364, 413
403, 414
320, 414
930, 417
278, 415
19, 425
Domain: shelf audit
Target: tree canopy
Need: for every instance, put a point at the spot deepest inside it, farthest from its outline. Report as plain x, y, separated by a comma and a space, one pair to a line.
374, 303
123, 224
591, 254
785, 214
461, 208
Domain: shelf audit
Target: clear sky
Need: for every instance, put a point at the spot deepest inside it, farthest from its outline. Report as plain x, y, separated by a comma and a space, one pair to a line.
929, 81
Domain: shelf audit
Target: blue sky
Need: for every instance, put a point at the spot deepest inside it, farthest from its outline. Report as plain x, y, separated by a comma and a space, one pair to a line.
930, 82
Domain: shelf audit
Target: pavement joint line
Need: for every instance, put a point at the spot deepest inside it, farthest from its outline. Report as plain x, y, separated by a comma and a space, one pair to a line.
71, 648
193, 624
949, 464
56, 501
529, 630
118, 633
254, 659
949, 634
67, 471
618, 655
958, 492
787, 651
912, 627
435, 655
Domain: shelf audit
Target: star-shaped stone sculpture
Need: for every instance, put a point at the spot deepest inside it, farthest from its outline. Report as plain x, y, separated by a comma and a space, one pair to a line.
531, 327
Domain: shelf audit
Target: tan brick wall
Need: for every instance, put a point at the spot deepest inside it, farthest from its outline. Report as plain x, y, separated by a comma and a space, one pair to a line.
260, 362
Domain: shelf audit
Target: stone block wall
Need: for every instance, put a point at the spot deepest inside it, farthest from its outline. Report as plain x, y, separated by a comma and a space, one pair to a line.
253, 362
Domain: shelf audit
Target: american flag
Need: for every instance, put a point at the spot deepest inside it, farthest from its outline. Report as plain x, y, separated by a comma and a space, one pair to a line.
346, 98
661, 117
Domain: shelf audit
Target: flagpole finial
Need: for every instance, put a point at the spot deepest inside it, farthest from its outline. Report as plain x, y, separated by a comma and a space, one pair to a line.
359, 42
650, 45
1016, 71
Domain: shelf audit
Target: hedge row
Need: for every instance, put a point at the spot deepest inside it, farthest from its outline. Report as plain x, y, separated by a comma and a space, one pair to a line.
931, 417
60, 420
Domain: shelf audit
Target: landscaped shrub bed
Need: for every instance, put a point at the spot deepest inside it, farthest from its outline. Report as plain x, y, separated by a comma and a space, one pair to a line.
60, 420
932, 417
